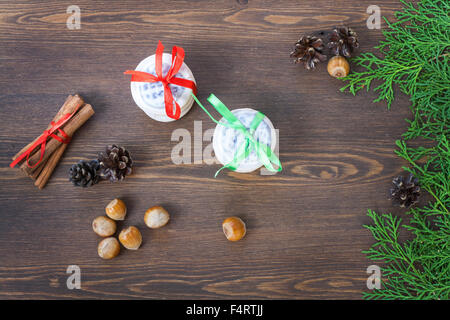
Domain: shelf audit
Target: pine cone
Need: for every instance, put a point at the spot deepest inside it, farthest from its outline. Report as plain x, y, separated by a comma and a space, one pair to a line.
309, 51
115, 164
405, 191
84, 173
343, 41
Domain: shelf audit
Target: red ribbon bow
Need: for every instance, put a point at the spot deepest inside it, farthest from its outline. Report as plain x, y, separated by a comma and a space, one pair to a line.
43, 140
177, 62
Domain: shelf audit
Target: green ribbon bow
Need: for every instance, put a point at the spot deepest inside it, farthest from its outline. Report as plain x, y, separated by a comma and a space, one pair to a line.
263, 151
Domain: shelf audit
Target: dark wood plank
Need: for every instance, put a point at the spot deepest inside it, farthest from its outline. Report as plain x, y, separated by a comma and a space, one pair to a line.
305, 233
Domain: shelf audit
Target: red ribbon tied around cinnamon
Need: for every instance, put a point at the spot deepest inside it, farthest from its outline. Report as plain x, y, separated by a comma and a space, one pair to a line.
177, 62
42, 141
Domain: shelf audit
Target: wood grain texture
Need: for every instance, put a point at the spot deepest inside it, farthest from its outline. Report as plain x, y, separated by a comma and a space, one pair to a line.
305, 232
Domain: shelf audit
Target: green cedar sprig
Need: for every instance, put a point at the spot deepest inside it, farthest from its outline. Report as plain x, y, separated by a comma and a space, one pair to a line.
418, 268
416, 54
416, 59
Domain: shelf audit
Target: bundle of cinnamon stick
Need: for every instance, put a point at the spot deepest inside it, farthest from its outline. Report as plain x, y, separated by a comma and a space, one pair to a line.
54, 148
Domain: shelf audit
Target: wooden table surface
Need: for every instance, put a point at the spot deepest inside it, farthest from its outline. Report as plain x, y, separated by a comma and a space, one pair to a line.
305, 233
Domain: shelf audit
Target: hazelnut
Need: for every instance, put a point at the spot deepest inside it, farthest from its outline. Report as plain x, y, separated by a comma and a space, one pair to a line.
116, 209
156, 217
108, 248
338, 67
130, 238
234, 228
104, 226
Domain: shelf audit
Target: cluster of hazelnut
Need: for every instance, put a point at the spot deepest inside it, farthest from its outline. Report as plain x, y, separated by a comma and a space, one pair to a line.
129, 237
155, 217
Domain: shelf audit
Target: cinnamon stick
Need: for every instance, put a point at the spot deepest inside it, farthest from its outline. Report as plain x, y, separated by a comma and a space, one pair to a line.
41, 181
69, 128
69, 106
36, 173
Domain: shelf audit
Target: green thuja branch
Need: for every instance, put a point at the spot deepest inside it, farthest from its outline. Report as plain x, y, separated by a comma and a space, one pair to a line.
415, 60
415, 55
